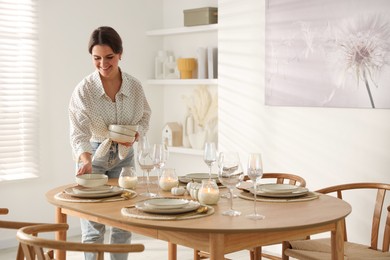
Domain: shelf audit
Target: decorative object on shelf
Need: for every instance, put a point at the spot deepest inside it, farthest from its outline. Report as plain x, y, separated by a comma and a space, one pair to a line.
208, 192
203, 109
212, 62
200, 16
201, 55
172, 134
186, 67
161, 57
188, 129
170, 70
168, 179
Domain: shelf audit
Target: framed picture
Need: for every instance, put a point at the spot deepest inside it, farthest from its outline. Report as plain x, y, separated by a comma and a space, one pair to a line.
328, 53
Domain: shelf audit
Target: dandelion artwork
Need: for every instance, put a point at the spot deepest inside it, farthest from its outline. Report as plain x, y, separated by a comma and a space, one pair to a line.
328, 53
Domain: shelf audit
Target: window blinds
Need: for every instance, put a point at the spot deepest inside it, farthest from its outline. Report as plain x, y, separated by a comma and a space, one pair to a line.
18, 89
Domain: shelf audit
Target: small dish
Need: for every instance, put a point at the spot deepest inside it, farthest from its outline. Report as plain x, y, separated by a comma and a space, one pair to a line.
166, 203
278, 188
296, 193
113, 192
201, 176
93, 190
191, 206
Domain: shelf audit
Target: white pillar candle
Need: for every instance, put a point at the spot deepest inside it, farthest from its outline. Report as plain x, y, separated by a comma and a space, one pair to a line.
167, 183
128, 182
208, 196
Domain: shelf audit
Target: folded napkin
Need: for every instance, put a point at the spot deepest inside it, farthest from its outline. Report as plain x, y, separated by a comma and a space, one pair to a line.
104, 147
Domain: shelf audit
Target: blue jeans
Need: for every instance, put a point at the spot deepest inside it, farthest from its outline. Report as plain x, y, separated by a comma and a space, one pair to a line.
93, 232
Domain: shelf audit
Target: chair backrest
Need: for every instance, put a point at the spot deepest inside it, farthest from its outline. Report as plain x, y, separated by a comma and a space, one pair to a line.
14, 225
381, 189
33, 245
286, 178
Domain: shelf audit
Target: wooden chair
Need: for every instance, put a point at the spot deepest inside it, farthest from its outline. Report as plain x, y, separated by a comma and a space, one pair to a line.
321, 248
35, 247
280, 178
14, 225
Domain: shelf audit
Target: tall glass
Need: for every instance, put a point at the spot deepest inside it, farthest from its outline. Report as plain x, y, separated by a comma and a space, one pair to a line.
210, 155
143, 145
255, 172
160, 156
146, 163
229, 175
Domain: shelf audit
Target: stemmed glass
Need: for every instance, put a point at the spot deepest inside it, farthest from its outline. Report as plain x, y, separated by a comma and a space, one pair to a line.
160, 156
210, 155
146, 163
143, 144
229, 175
255, 172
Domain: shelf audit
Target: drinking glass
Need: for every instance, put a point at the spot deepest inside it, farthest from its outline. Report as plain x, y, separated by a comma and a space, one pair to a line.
255, 172
160, 156
229, 175
210, 155
143, 145
146, 163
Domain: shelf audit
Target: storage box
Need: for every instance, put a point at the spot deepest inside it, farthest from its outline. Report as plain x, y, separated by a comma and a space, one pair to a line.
200, 16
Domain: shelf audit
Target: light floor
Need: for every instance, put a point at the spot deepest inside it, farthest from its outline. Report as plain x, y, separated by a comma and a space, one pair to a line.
154, 249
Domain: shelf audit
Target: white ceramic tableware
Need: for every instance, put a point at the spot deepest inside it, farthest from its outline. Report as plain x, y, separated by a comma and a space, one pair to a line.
92, 179
120, 138
123, 129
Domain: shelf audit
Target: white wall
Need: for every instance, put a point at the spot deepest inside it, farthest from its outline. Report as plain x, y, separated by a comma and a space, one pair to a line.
326, 146
65, 27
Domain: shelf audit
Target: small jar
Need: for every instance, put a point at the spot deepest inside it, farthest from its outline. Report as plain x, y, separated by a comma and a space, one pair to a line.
168, 179
208, 192
128, 178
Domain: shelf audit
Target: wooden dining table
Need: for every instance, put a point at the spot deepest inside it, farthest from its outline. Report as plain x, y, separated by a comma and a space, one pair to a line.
217, 234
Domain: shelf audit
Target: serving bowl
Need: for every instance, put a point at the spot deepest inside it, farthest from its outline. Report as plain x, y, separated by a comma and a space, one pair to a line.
130, 130
121, 138
92, 179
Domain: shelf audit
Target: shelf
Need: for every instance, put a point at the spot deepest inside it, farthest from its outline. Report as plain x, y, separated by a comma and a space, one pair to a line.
183, 30
183, 82
182, 150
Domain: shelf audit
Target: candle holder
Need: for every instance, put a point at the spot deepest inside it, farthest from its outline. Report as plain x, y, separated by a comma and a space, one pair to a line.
128, 178
208, 192
168, 179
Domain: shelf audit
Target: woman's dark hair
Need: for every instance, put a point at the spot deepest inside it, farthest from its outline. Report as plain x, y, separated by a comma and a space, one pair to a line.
105, 35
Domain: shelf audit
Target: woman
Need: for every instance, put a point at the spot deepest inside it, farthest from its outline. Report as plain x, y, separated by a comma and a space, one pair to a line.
107, 96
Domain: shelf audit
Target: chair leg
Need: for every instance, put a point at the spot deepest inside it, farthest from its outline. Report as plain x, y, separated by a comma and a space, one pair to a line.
255, 253
285, 245
196, 255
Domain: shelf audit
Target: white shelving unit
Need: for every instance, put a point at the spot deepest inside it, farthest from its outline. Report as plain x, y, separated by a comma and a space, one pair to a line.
183, 30
169, 34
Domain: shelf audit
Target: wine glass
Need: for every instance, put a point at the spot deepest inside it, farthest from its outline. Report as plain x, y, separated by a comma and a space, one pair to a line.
210, 155
146, 163
160, 156
229, 175
143, 144
255, 172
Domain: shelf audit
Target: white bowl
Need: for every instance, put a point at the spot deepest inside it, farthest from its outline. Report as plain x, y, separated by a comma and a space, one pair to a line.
92, 179
120, 138
124, 129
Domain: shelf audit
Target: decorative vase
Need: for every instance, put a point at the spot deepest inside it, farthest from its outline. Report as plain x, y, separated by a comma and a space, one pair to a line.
198, 139
186, 67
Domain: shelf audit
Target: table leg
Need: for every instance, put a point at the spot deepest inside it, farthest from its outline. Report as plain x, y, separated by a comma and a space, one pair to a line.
217, 245
337, 238
172, 251
60, 235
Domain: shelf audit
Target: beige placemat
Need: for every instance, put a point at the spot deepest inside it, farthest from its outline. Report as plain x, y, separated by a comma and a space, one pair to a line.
127, 194
249, 196
136, 213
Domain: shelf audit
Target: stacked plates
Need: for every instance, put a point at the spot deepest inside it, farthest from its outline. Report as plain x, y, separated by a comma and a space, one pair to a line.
167, 205
93, 192
197, 177
280, 190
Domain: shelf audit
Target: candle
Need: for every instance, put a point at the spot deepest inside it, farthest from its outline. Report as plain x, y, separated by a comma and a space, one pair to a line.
128, 182
167, 183
208, 192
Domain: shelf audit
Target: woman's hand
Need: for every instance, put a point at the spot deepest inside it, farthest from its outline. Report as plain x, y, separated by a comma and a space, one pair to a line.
85, 165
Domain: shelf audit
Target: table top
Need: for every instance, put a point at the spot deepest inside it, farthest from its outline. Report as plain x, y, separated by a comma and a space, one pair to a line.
278, 216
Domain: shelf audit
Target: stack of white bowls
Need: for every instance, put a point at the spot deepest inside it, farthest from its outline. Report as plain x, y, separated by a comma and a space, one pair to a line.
123, 133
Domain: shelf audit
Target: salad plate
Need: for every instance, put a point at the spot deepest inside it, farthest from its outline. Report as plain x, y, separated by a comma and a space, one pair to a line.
295, 193
166, 203
278, 188
191, 206
109, 193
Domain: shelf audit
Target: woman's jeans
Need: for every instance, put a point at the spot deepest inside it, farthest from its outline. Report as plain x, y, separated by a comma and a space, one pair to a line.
93, 232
